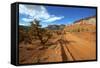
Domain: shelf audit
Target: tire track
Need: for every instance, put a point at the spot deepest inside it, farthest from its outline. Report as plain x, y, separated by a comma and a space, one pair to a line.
64, 55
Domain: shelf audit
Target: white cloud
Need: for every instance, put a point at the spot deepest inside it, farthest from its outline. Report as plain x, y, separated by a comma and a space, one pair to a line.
52, 19
27, 19
24, 24
24, 10
37, 12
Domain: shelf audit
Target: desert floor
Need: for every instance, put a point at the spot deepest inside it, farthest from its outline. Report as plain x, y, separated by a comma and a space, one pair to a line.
72, 46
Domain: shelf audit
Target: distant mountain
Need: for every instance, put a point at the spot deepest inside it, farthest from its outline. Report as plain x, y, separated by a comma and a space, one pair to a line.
24, 27
55, 27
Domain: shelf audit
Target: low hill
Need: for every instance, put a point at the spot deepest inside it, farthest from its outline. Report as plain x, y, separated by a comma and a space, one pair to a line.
85, 24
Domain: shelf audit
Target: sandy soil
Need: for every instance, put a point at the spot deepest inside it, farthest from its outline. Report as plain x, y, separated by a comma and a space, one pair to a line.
67, 47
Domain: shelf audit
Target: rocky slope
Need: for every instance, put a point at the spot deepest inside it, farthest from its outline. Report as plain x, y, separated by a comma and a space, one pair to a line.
85, 24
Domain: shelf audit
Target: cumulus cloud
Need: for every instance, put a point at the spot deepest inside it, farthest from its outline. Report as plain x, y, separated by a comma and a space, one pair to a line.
37, 12
53, 19
24, 10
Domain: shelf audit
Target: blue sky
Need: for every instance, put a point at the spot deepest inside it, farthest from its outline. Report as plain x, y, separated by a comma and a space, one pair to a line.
49, 15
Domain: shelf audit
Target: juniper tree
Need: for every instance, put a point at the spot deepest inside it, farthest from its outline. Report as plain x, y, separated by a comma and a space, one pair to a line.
39, 33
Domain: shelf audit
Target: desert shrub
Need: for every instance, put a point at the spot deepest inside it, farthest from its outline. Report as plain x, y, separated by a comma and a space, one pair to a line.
36, 32
24, 35
21, 34
77, 29
82, 29
87, 29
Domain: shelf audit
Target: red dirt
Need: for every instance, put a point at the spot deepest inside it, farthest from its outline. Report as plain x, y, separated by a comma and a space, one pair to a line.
67, 47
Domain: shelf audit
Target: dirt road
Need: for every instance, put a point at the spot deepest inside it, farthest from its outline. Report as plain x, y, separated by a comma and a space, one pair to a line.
79, 48
73, 48
66, 47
